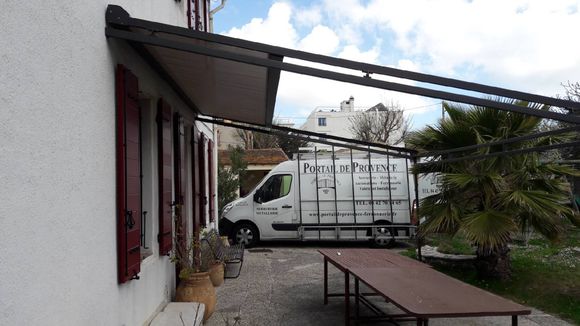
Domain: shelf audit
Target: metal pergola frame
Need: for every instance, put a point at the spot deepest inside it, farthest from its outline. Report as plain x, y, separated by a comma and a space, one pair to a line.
122, 26
141, 33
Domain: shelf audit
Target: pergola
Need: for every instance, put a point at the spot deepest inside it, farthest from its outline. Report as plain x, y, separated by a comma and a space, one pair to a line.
233, 82
201, 67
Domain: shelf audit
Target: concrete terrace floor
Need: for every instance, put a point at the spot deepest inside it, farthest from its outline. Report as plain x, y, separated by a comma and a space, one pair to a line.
281, 284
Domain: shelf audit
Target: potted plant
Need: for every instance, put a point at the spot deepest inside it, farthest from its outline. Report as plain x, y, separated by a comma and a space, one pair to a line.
216, 267
195, 284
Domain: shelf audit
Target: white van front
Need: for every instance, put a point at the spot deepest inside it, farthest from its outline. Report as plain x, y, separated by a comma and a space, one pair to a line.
268, 212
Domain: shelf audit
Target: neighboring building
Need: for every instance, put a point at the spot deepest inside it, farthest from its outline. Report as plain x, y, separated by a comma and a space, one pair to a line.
99, 142
337, 121
228, 136
260, 163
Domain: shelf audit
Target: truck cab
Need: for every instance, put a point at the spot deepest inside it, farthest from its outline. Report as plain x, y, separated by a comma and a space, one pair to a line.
268, 212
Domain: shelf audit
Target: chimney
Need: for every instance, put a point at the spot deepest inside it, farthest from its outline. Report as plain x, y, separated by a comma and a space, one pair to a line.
348, 105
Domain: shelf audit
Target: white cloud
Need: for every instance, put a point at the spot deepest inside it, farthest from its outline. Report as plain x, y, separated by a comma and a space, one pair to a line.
298, 95
352, 52
276, 29
527, 45
308, 16
321, 40
523, 44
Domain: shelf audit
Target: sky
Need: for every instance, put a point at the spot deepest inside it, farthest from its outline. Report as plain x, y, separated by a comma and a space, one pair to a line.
526, 45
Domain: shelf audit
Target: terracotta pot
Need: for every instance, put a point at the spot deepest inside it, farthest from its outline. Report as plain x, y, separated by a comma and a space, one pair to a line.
225, 241
197, 287
216, 274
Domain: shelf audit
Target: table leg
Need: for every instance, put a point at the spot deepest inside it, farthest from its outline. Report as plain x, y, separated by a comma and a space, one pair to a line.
346, 298
325, 281
356, 300
515, 320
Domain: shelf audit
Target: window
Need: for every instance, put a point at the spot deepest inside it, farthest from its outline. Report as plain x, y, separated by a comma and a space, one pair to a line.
322, 122
277, 186
148, 134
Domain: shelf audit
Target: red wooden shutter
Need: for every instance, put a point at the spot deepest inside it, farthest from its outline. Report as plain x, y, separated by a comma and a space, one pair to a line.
179, 175
164, 237
128, 175
195, 181
211, 179
201, 177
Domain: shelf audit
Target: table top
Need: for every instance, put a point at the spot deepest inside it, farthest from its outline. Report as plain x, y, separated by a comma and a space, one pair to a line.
425, 292
347, 258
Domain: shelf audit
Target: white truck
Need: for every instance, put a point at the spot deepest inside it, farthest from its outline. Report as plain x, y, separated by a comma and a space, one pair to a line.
326, 198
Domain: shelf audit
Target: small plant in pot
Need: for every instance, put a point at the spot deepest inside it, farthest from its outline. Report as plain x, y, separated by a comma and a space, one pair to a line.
216, 266
195, 284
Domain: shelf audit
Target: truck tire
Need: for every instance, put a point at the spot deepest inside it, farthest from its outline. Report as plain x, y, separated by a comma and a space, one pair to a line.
245, 233
384, 238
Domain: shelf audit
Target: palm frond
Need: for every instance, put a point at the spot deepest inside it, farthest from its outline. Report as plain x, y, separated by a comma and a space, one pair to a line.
489, 229
443, 216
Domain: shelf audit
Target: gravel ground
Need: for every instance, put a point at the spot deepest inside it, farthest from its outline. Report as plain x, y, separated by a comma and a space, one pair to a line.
281, 284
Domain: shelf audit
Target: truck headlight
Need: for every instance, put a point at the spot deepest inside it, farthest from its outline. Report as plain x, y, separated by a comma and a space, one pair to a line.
226, 209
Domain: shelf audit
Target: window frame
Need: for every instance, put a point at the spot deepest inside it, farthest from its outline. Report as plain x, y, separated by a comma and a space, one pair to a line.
282, 175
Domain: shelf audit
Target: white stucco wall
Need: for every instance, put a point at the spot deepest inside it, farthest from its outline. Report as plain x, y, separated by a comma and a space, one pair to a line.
57, 168
228, 137
338, 123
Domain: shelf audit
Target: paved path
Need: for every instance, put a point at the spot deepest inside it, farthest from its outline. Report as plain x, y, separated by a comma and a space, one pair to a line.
284, 287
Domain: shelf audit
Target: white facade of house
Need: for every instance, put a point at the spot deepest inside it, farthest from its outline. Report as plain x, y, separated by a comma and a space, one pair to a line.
335, 122
58, 219
338, 121
228, 136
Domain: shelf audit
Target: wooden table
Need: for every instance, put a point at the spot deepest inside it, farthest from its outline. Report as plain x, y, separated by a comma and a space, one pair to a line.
345, 259
421, 292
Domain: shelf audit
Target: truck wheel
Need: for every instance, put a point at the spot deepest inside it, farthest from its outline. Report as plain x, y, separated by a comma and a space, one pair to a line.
383, 238
246, 234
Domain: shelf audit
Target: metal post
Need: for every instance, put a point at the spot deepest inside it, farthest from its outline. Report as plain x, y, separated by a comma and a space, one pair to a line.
408, 193
356, 299
335, 195
390, 195
325, 280
299, 190
371, 186
353, 200
416, 182
317, 195
346, 298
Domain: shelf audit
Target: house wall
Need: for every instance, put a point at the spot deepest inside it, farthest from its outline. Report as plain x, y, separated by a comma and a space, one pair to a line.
227, 137
338, 122
57, 168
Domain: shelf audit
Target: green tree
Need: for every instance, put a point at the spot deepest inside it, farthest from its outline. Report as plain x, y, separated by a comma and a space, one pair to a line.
229, 177
290, 145
490, 199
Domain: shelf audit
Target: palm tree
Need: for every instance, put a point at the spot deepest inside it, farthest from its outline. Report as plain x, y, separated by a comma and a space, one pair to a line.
489, 200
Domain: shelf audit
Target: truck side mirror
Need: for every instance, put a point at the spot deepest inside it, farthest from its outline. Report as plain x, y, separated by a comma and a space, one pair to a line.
258, 196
